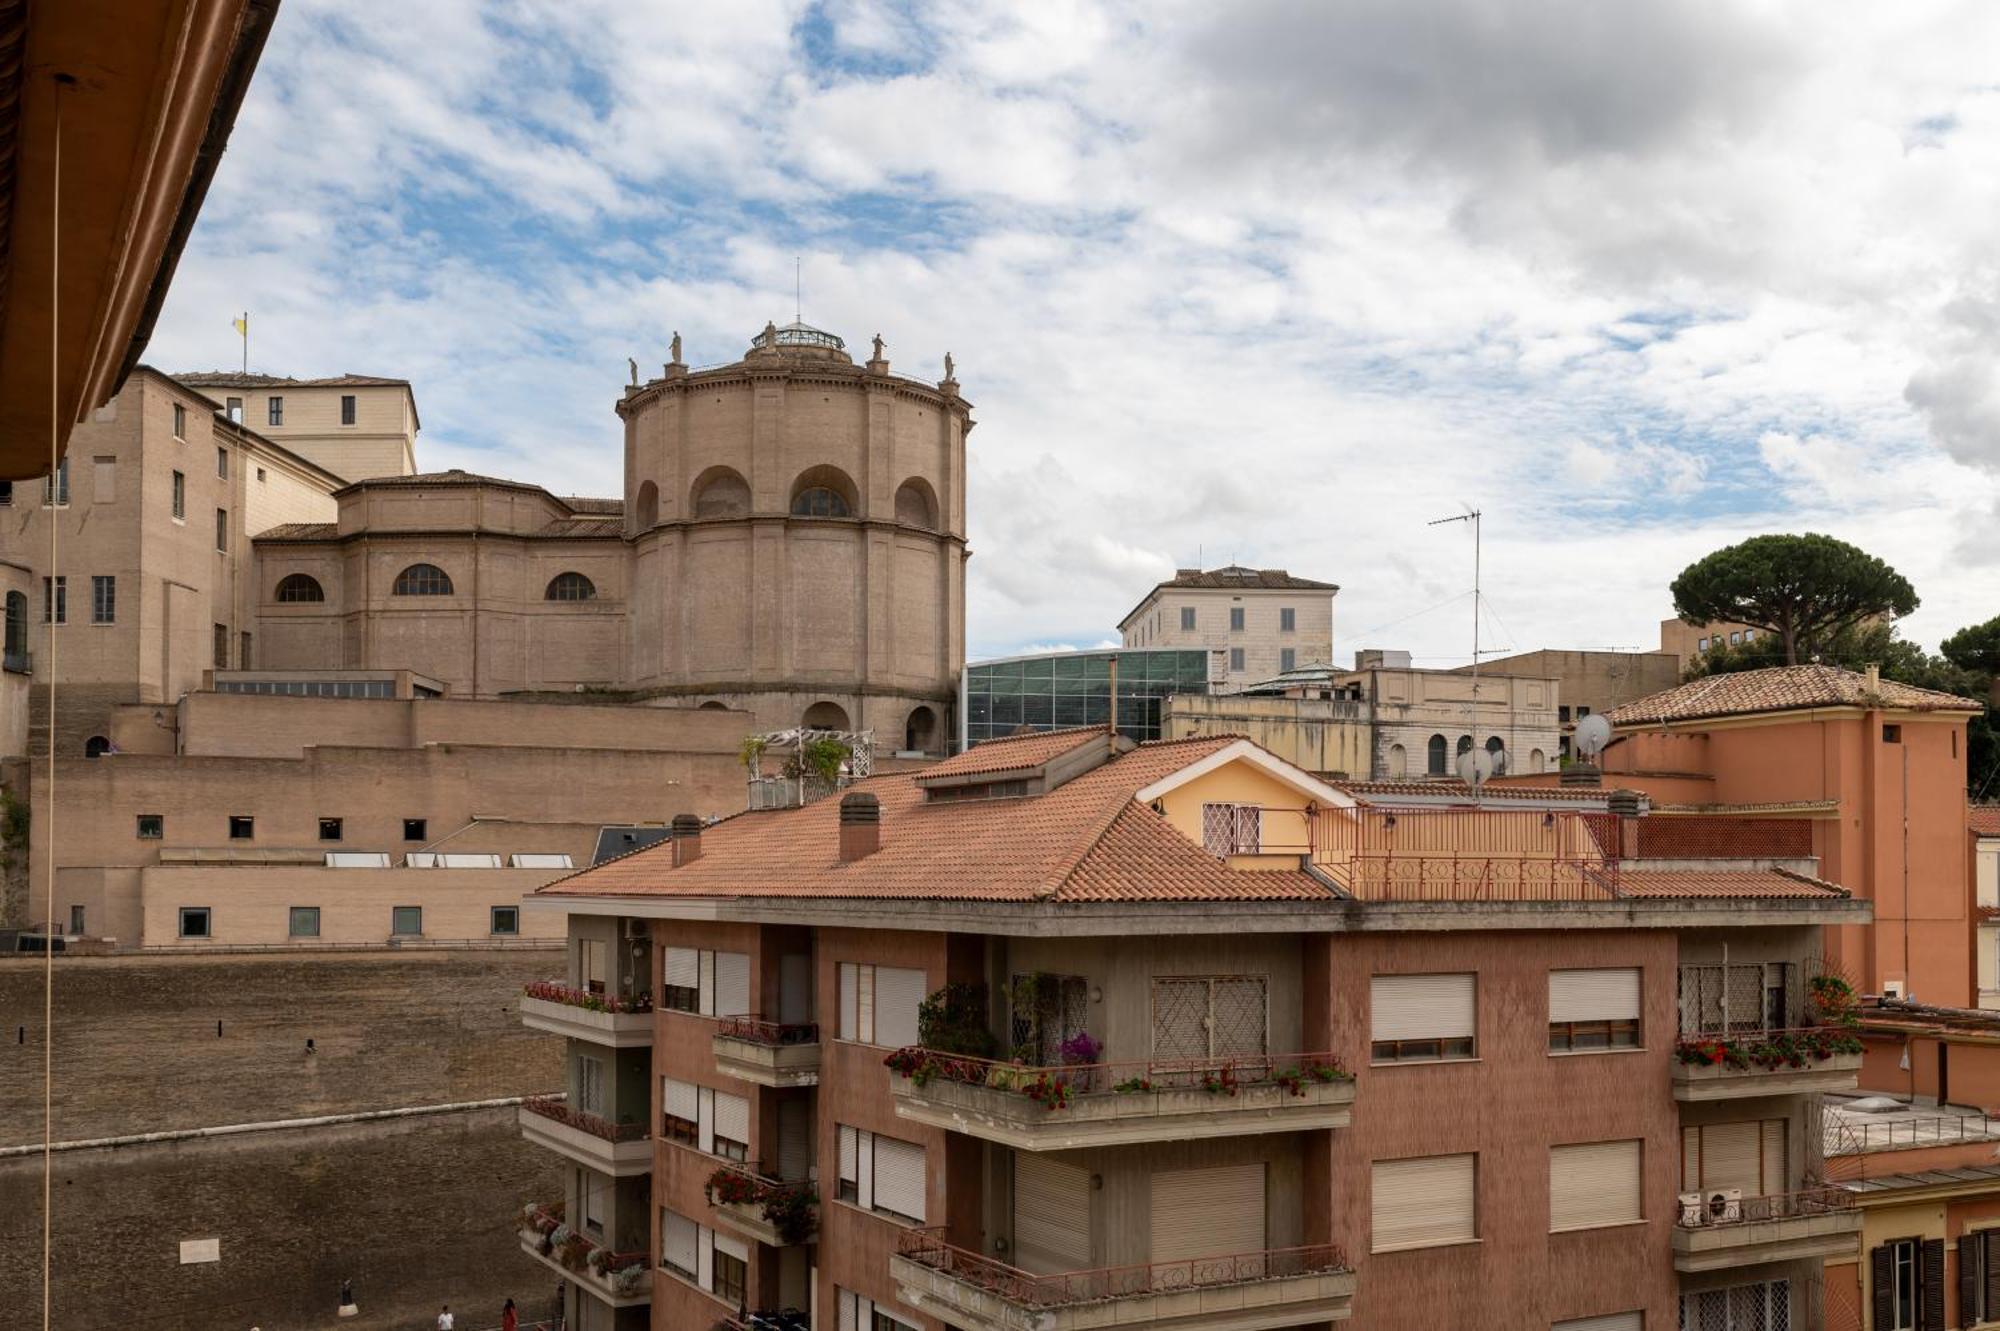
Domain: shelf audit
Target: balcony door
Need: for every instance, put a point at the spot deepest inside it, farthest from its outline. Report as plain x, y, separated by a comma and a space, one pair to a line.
1051, 1215
1209, 1016
1216, 1212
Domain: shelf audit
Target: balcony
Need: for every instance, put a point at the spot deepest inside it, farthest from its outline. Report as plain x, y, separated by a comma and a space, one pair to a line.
1727, 1066
619, 1149
789, 1319
621, 1279
770, 1053
1816, 1223
767, 1210
1249, 1292
1115, 1104
581, 1014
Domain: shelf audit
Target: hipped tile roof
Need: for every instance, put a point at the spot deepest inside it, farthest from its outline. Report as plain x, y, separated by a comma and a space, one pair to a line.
1984, 819
1390, 792
1722, 883
1780, 689
1017, 753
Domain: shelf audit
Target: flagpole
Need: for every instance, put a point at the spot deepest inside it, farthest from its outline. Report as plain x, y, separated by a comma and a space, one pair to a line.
245, 327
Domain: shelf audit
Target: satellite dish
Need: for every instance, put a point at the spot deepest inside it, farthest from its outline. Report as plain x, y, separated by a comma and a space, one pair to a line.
1592, 734
1474, 766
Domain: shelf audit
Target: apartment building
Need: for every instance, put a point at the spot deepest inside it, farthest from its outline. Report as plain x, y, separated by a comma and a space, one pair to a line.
1256, 623
1983, 827
1685, 642
356, 426
1066, 1033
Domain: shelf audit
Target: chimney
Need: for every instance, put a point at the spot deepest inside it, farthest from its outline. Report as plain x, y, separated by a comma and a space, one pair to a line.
685, 832
1626, 805
1581, 773
1874, 677
860, 825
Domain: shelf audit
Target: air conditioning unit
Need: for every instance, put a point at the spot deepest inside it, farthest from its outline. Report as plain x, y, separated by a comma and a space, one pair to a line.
1723, 1205
1691, 1212
1892, 988
636, 929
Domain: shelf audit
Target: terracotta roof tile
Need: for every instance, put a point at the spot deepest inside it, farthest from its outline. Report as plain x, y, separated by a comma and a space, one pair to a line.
1016, 752
1390, 792
1141, 857
299, 531
1780, 689
1984, 819
233, 379
1722, 883
1232, 576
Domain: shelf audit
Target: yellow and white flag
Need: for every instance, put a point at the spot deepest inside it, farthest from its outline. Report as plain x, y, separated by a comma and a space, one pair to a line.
242, 326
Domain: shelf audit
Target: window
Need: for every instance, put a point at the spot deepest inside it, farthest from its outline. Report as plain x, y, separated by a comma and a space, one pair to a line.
1735, 639
17, 632
103, 599
76, 919
1562, 714
1747, 1155
1435, 765
96, 746
1232, 829
1594, 1184
329, 829
590, 1085
817, 501
504, 921
1747, 996
221, 646
6, 494
1235, 619
680, 1111
1187, 618
298, 588
1422, 1017
1288, 620
1210, 1016
274, 411
1761, 1307
104, 480
243, 651
180, 497
1702, 645
55, 487
680, 1244
222, 462
152, 826
1236, 660
570, 587
1978, 1275
234, 407
180, 421
1593, 1009
414, 829
260, 475
1892, 734
55, 600
406, 921
305, 922
731, 1273
878, 1004
880, 1173
1897, 1270
1582, 712
242, 827
422, 580
858, 1313
347, 408
1632, 1321
1288, 659
222, 529
194, 922
1425, 1202
711, 984
728, 1120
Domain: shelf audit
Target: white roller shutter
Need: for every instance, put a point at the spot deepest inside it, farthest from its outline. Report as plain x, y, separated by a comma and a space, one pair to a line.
682, 966
899, 1177
730, 1246
794, 1139
680, 1098
732, 984
679, 1237
1773, 1144
1208, 1212
1593, 1184
1422, 1007
864, 1168
864, 1018
704, 1121
1690, 1159
898, 993
732, 1117
850, 1311
1731, 1157
850, 1001
1594, 995
1051, 1215
705, 1258
1632, 1321
706, 1003
1424, 1202
850, 1152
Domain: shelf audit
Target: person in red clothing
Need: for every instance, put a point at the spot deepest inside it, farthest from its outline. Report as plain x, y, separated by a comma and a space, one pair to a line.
509, 1319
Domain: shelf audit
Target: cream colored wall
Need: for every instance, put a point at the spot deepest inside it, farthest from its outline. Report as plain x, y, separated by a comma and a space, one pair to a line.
1158, 624
1322, 736
1986, 871
253, 905
1986, 958
381, 442
1286, 833
16, 579
1412, 705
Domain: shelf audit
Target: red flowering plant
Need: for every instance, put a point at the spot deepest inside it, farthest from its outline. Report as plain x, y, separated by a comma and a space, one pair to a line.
555, 991
1219, 1081
1050, 1092
732, 1187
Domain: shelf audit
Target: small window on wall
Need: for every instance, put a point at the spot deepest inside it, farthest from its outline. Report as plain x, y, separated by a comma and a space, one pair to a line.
347, 408
194, 922
242, 827
1235, 619
329, 829
1892, 734
414, 829
406, 921
152, 826
1288, 620
505, 922
305, 922
1187, 618
180, 421
1423, 1018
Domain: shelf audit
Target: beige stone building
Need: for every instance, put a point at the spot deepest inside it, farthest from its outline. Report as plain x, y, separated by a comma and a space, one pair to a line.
1685, 641
1592, 682
353, 425
1257, 623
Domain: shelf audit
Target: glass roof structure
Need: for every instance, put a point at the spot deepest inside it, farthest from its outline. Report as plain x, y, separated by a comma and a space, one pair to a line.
1063, 689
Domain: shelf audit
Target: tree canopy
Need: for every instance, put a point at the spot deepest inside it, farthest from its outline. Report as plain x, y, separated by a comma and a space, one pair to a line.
1806, 589
1975, 648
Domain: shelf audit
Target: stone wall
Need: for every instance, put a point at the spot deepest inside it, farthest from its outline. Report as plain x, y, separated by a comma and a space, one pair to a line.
419, 1211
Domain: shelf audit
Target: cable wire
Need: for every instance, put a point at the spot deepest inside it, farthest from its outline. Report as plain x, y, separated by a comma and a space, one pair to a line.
62, 81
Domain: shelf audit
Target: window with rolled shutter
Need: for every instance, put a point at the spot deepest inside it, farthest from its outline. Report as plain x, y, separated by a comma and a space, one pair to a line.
849, 1176
732, 1126
1423, 1203
1422, 1017
1593, 1184
707, 1006
1593, 1009
1215, 1212
705, 1119
899, 1177
680, 1110
731, 1246
1632, 1321
1771, 1181
1051, 1215
732, 985
680, 971
898, 994
794, 1138
1748, 1156
679, 1238
857, 1002
590, 1085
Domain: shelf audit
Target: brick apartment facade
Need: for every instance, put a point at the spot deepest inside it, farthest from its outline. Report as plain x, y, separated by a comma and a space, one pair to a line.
1265, 1056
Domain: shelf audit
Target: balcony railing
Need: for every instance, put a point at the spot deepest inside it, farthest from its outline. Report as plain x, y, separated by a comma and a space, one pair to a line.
927, 1248
620, 1275
1056, 1087
555, 991
756, 1030
1716, 1231
1776, 1206
1801, 1047
551, 1107
776, 1211
1846, 1136
789, 1319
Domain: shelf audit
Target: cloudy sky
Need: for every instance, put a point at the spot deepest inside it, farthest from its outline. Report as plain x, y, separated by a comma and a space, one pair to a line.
1264, 282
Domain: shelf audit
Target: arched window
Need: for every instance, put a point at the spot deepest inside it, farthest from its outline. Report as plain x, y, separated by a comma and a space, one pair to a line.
17, 630
1437, 756
1398, 763
916, 505
646, 508
721, 492
297, 587
96, 746
713, 706
1537, 760
571, 587
1464, 745
816, 501
825, 716
422, 580
920, 730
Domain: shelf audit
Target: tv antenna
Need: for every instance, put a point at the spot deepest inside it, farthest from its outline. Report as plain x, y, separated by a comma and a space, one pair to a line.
1471, 515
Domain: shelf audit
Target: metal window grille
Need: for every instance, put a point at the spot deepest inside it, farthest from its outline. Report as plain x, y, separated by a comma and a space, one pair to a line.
1761, 1307
1232, 829
1210, 1016
1751, 996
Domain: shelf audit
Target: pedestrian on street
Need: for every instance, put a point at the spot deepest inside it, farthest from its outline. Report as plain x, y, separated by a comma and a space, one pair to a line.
445, 1321
509, 1319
